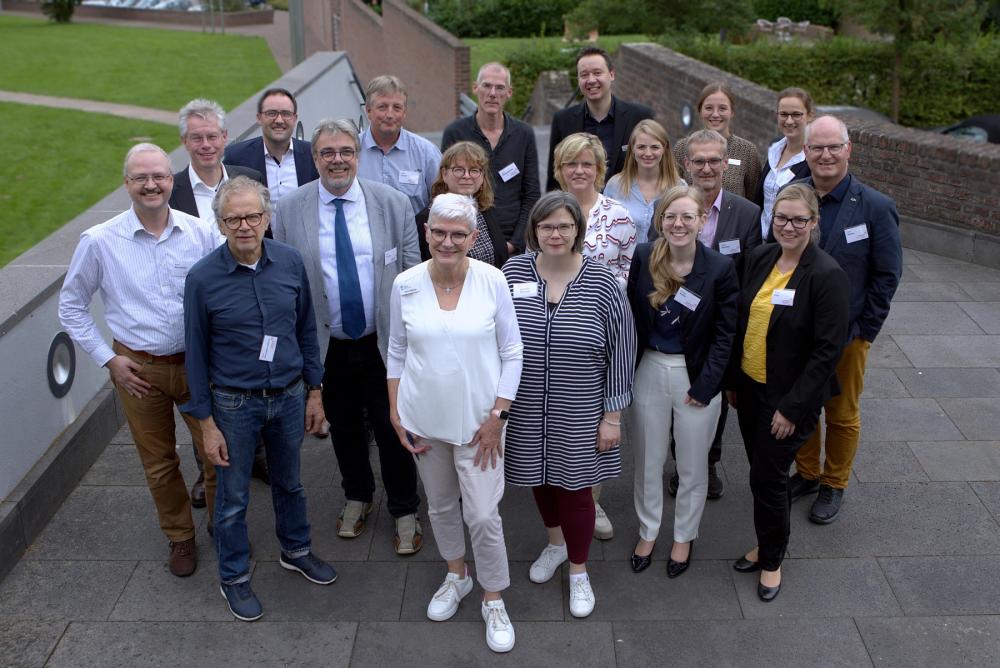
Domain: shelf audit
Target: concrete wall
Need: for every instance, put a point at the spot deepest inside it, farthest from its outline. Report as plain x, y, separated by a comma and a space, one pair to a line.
947, 189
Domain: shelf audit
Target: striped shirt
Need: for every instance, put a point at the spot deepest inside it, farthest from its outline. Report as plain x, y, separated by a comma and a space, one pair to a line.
141, 281
578, 363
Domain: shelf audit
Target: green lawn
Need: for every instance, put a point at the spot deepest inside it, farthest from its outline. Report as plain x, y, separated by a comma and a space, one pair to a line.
148, 67
57, 164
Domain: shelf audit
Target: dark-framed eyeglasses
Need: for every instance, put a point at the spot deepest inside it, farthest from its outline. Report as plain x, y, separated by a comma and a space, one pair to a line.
798, 222
272, 114
329, 154
234, 222
456, 237
459, 172
714, 163
834, 149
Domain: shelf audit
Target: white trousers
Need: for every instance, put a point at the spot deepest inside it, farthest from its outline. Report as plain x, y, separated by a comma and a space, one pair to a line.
661, 385
449, 476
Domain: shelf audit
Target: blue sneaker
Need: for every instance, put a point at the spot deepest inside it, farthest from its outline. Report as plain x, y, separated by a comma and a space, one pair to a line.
242, 601
312, 568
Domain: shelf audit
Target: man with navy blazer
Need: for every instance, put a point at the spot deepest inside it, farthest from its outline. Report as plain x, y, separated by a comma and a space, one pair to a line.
601, 113
355, 236
285, 163
860, 230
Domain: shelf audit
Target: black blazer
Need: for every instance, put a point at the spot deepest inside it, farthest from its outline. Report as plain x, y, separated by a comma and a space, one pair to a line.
707, 333
496, 236
799, 171
250, 153
182, 197
569, 120
804, 340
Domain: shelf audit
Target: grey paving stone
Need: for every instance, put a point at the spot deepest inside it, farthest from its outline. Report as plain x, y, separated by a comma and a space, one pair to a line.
959, 272
989, 494
883, 384
986, 315
462, 644
821, 588
945, 585
899, 519
945, 383
885, 353
927, 318
63, 590
319, 464
905, 420
744, 642
959, 460
911, 256
931, 641
119, 465
262, 643
26, 644
929, 292
887, 462
978, 419
950, 351
154, 595
981, 291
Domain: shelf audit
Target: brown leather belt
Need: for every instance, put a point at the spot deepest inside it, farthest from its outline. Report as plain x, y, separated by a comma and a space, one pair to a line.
148, 358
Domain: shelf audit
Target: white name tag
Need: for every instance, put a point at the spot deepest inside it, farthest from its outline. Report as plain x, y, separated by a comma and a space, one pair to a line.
181, 270
390, 256
856, 233
409, 178
687, 299
625, 148
267, 347
731, 247
522, 290
734, 161
407, 289
783, 297
509, 172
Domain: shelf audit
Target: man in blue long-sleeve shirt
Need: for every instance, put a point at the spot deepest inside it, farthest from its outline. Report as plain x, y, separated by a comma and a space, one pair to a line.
253, 368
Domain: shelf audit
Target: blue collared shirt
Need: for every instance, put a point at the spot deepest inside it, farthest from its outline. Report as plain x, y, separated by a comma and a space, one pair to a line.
829, 206
410, 166
228, 310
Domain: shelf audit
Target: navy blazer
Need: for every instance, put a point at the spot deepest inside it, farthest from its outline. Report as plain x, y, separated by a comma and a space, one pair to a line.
569, 120
250, 153
707, 333
804, 340
182, 197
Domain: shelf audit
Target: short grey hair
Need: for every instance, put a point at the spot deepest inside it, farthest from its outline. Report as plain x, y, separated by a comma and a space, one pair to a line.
843, 128
143, 148
240, 184
330, 126
492, 66
454, 208
706, 137
203, 109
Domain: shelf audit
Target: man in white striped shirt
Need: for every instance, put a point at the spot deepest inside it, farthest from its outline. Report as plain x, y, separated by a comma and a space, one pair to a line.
138, 261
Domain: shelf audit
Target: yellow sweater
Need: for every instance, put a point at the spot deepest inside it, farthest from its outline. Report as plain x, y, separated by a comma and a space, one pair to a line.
754, 363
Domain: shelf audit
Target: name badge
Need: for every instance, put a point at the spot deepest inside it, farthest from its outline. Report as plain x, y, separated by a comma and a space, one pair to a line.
783, 297
856, 233
181, 270
625, 148
522, 290
509, 172
687, 299
267, 348
731, 247
407, 289
409, 177
390, 256
734, 161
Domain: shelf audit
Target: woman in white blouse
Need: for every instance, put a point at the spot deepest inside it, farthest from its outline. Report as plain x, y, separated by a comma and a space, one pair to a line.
454, 364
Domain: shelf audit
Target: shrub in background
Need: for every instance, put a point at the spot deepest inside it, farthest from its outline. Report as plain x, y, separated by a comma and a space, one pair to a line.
500, 18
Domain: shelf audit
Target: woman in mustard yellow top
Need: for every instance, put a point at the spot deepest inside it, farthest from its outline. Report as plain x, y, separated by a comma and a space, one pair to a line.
792, 326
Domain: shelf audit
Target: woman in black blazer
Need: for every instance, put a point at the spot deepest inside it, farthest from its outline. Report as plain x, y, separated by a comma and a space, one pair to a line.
792, 326
683, 297
465, 170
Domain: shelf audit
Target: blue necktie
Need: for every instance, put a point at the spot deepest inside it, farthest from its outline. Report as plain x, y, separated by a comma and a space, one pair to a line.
352, 307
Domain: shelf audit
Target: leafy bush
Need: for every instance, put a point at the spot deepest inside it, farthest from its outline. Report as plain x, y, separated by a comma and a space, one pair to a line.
526, 64
60, 11
500, 18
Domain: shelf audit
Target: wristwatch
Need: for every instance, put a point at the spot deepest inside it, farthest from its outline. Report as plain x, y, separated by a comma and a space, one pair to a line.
310, 388
501, 415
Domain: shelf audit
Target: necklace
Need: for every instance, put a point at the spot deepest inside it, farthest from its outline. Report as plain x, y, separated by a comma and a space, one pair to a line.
448, 289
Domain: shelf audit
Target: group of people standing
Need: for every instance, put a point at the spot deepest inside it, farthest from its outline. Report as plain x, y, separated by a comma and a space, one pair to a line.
487, 334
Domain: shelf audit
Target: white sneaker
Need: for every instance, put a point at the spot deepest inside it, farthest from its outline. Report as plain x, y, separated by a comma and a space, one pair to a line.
581, 598
547, 563
499, 630
603, 530
444, 603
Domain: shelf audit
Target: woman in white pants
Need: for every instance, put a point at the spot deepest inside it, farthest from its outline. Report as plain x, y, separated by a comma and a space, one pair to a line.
683, 296
454, 364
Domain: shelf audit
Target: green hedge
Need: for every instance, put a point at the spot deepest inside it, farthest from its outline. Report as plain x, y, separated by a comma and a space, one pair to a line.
500, 18
940, 83
527, 63
813, 11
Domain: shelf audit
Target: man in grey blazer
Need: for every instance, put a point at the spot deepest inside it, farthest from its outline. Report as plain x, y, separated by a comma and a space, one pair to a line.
355, 237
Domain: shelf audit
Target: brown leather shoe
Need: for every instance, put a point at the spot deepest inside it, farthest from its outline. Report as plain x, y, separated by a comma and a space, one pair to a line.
183, 558
198, 492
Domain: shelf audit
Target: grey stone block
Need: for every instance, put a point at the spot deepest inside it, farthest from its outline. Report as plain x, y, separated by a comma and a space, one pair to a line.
943, 383
885, 353
319, 464
989, 494
12, 543
912, 256
883, 384
926, 318
743, 642
931, 641
887, 462
950, 351
905, 420
262, 643
959, 460
26, 644
927, 585
61, 590
978, 419
154, 595
821, 588
961, 273
929, 292
986, 315
982, 292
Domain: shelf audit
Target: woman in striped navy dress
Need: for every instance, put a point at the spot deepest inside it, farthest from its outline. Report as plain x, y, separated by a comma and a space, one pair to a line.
579, 346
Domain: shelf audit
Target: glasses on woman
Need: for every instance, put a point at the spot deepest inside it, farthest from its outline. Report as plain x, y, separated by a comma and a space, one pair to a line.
234, 222
547, 230
459, 172
686, 218
798, 222
456, 237
794, 115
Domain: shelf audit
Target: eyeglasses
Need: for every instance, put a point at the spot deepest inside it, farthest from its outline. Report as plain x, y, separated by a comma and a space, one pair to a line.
234, 222
456, 237
158, 179
586, 166
686, 218
794, 115
834, 149
546, 230
272, 114
499, 88
329, 154
459, 172
798, 222
711, 162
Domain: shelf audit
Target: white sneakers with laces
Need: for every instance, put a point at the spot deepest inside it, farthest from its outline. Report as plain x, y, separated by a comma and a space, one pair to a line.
581, 596
444, 603
603, 529
547, 563
499, 630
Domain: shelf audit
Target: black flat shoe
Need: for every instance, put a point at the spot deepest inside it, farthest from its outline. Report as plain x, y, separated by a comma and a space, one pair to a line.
676, 568
639, 564
767, 594
744, 565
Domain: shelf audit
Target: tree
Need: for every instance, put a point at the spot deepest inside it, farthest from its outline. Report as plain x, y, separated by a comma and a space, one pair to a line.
652, 17
60, 11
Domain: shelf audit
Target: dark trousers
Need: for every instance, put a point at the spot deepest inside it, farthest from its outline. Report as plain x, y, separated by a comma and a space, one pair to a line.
714, 452
574, 512
770, 460
353, 385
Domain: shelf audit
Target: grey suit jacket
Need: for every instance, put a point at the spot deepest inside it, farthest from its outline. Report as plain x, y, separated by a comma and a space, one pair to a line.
390, 218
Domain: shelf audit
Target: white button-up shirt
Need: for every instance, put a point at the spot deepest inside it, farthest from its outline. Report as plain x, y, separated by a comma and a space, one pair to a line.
281, 175
204, 194
775, 179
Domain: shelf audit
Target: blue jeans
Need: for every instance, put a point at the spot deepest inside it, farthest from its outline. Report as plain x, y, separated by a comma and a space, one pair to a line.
280, 420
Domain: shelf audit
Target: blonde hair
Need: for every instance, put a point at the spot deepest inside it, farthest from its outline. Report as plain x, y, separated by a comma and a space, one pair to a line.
475, 156
805, 194
666, 282
669, 175
571, 147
